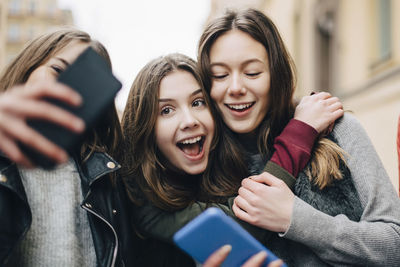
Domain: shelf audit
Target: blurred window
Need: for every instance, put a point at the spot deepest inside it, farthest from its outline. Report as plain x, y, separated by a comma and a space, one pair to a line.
14, 6
13, 33
32, 6
384, 27
51, 9
31, 32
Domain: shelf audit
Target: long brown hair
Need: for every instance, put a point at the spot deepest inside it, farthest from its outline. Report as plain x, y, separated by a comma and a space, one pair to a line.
146, 175
107, 134
326, 155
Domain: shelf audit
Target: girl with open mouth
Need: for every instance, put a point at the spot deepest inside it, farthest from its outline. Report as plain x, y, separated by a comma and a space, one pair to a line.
176, 160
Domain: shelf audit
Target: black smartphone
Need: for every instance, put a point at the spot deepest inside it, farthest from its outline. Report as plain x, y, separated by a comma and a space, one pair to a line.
92, 78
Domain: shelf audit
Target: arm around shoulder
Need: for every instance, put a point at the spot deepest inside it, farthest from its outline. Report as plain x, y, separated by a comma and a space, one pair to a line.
375, 239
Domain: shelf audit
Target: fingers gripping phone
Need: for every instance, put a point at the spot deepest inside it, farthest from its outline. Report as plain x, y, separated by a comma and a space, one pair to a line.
92, 78
211, 230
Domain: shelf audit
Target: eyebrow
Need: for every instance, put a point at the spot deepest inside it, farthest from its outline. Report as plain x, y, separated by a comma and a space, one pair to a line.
248, 61
63, 61
169, 99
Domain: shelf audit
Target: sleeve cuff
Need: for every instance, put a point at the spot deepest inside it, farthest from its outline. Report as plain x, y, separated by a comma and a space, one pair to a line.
280, 173
299, 133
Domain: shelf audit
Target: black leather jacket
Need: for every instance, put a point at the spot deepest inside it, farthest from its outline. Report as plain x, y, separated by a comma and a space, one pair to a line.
105, 201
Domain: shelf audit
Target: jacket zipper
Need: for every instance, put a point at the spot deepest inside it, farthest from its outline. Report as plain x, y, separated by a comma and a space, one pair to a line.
112, 228
101, 218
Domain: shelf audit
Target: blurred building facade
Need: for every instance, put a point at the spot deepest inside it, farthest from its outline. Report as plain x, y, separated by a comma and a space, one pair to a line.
3, 16
21, 20
349, 48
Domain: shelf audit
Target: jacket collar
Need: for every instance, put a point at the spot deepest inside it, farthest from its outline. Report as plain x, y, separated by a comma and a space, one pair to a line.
96, 166
10, 178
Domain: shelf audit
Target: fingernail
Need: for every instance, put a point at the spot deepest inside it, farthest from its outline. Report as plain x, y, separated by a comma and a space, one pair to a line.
261, 255
62, 157
225, 250
78, 99
79, 125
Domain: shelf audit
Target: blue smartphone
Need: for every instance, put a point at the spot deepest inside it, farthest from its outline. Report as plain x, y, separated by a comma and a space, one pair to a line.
211, 230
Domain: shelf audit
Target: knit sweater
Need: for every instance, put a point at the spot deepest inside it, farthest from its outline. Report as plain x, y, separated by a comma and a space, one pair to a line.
60, 234
318, 239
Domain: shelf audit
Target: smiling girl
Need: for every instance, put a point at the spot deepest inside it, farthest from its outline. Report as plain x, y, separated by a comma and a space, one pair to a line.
343, 210
176, 157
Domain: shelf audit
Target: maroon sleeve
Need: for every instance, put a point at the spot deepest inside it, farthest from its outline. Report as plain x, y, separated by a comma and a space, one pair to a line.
293, 146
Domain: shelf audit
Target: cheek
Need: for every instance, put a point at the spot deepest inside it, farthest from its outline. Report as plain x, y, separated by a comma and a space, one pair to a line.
216, 92
208, 121
262, 89
161, 133
265, 96
38, 75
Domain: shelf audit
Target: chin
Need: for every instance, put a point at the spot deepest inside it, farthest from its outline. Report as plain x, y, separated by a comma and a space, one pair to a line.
241, 130
195, 170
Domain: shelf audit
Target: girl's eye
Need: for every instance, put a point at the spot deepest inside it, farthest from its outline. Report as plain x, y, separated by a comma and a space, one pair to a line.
166, 110
219, 77
199, 102
253, 74
57, 69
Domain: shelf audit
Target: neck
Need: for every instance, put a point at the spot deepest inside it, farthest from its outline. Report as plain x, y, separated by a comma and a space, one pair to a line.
248, 141
179, 178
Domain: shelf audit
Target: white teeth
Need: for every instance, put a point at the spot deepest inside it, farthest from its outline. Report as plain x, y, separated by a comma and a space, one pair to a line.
239, 106
191, 140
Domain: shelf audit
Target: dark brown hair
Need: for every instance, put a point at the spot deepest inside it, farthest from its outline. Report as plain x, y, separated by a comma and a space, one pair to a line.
146, 174
326, 155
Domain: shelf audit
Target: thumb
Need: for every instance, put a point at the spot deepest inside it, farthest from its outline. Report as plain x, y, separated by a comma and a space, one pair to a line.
218, 257
267, 178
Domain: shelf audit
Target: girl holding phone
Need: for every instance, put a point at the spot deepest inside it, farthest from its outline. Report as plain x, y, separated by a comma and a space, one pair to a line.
74, 214
343, 209
178, 161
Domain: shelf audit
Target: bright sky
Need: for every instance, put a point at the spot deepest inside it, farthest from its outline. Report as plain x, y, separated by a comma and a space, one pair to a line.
135, 32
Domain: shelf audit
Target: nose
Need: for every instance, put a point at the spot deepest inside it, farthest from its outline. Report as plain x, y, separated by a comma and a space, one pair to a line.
188, 120
236, 86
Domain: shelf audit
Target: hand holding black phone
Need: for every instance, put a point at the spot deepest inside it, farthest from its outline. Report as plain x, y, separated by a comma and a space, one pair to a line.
92, 78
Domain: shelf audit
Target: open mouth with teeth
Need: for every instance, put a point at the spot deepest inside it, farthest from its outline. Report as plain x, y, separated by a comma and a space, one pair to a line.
240, 107
192, 146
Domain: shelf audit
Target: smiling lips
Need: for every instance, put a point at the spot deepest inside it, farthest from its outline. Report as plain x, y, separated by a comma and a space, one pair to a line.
192, 147
240, 109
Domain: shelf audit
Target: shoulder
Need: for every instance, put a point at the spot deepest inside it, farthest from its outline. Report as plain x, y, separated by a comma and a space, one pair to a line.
348, 128
347, 123
353, 139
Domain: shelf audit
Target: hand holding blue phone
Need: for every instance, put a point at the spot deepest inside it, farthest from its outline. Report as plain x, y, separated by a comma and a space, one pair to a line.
213, 229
